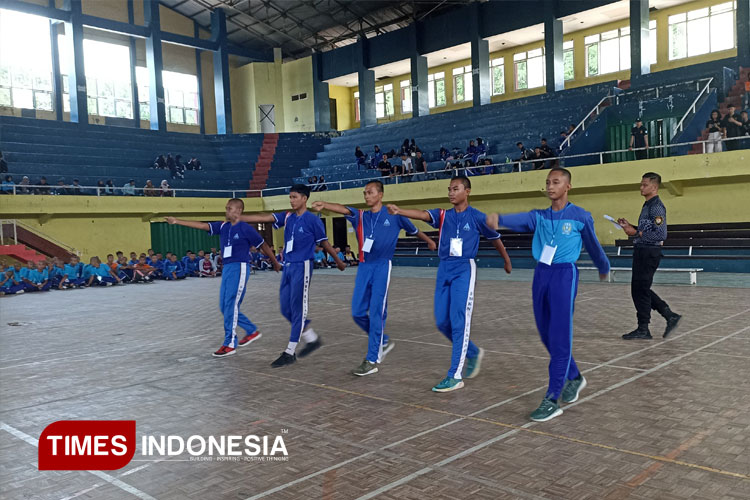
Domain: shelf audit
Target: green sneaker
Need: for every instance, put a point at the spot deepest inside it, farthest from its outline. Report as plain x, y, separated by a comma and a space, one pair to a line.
366, 368
449, 384
473, 364
548, 410
572, 389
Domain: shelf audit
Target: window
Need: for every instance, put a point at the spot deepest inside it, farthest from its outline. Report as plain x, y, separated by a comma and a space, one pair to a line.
406, 96
384, 101
701, 31
180, 95
497, 66
436, 89
25, 61
529, 68
568, 68
463, 88
607, 52
356, 106
390, 105
652, 41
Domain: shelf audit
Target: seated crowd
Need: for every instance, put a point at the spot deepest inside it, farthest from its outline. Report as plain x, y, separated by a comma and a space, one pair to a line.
102, 188
321, 260
175, 165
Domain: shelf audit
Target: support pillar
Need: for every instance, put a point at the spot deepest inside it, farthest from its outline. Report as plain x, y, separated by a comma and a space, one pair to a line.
640, 63
553, 51
221, 73
321, 99
155, 65
480, 59
76, 69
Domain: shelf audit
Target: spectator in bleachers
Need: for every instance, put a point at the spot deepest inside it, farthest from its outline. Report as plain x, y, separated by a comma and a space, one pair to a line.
350, 257
733, 127
385, 167
160, 162
322, 186
547, 152
488, 168
563, 136
180, 166
715, 131
413, 147
194, 164
75, 188
571, 128
444, 154
100, 187
319, 258
539, 158
7, 186
472, 151
165, 191
3, 164
43, 188
398, 169
312, 182
405, 148
526, 155
23, 186
207, 269
109, 187
420, 167
639, 140
376, 157
406, 166
745, 143
149, 189
359, 156
129, 188
172, 166
747, 94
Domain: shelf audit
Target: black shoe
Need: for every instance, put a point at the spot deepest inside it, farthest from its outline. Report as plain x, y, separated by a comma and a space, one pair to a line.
284, 359
672, 322
639, 333
310, 347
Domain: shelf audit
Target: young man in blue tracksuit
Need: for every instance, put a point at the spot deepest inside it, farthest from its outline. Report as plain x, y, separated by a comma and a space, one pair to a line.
173, 269
38, 279
302, 232
236, 238
377, 234
191, 264
460, 228
558, 233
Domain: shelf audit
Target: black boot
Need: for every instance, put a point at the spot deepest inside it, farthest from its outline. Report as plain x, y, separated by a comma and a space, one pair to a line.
641, 332
672, 320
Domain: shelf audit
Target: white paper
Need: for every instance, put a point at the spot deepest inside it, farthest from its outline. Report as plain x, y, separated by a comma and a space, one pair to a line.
457, 247
289, 245
613, 221
548, 253
227, 252
367, 247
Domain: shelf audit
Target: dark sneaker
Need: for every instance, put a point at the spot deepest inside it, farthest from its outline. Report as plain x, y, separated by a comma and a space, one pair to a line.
473, 364
639, 333
672, 323
548, 410
572, 389
366, 368
387, 348
310, 347
250, 338
284, 359
448, 384
224, 351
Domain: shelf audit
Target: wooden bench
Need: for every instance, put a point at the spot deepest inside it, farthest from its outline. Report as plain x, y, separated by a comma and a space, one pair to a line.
613, 270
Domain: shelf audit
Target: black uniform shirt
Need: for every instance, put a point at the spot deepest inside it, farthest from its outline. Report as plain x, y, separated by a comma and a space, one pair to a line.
653, 223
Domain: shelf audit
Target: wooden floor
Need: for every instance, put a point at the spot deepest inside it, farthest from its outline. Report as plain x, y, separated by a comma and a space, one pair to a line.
659, 419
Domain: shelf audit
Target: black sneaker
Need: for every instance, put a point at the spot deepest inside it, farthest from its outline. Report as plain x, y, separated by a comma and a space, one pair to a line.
672, 322
310, 347
284, 359
640, 333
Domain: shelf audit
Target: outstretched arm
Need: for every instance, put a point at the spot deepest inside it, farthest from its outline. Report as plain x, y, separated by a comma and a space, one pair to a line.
412, 214
267, 251
331, 207
500, 247
258, 218
430, 242
330, 251
203, 226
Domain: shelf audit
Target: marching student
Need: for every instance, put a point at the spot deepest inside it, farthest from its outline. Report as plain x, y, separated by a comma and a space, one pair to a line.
236, 239
9, 285
377, 234
458, 242
558, 233
302, 231
38, 279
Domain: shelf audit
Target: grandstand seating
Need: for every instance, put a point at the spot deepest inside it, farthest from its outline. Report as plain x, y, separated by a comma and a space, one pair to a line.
293, 152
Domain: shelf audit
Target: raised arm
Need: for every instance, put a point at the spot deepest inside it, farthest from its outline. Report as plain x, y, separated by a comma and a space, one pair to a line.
500, 247
330, 251
430, 242
412, 214
203, 226
258, 218
338, 208
267, 251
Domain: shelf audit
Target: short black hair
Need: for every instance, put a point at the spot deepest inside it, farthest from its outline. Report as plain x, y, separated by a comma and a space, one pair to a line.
519, 143
639, 119
464, 180
301, 189
563, 171
652, 176
378, 185
545, 140
237, 200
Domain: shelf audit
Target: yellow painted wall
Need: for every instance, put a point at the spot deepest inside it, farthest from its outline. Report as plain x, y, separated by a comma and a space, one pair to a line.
579, 62
297, 78
344, 106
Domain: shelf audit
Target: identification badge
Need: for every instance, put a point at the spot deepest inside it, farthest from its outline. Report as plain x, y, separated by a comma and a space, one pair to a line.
548, 253
227, 252
289, 245
367, 247
457, 247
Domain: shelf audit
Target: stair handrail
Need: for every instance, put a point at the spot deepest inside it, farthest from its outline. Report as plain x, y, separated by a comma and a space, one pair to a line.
582, 125
34, 230
691, 109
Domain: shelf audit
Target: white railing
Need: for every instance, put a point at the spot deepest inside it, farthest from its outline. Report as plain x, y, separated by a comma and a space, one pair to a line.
582, 125
705, 90
16, 223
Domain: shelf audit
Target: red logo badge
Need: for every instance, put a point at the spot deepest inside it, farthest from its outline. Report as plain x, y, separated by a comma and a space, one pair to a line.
87, 445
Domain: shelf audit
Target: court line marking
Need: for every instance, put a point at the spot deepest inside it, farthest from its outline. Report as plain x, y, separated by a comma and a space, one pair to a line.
462, 418
101, 475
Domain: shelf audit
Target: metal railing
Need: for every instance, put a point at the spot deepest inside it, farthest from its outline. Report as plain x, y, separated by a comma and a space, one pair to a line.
582, 125
16, 223
705, 90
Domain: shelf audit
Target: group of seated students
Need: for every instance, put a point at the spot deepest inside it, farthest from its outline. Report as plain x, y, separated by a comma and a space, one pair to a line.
53, 273
321, 262
542, 156
103, 188
175, 165
408, 148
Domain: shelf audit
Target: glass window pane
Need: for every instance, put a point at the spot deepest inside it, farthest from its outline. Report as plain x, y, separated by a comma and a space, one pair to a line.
389, 104
440, 92
608, 35
520, 56
722, 31
625, 52
175, 115
145, 111
388, 87
652, 45
106, 89
66, 103
43, 82
22, 79
457, 71
123, 109
439, 75
43, 101
122, 90
92, 105
591, 39
498, 80
610, 59
468, 87
106, 106
568, 45
535, 70
23, 98
65, 83
724, 7
143, 93
5, 77
535, 53
677, 41
677, 18
91, 87
191, 117
521, 80
568, 68
592, 60
695, 14
431, 94
5, 97
697, 37
458, 88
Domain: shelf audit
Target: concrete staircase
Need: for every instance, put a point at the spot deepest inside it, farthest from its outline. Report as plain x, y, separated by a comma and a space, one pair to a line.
263, 163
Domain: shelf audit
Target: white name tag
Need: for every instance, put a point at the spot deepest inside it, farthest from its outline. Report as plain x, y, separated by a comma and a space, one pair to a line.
289, 245
457, 247
367, 247
548, 253
227, 252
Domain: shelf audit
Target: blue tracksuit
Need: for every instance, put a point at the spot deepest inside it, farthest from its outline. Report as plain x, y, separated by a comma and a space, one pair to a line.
38, 277
456, 276
304, 232
173, 267
102, 274
190, 266
370, 298
74, 274
555, 286
236, 241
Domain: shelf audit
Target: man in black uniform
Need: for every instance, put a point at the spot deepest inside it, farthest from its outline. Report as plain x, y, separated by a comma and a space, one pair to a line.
649, 238
639, 139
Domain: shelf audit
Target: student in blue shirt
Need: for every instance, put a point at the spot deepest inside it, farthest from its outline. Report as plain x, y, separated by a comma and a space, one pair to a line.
173, 269
97, 273
9, 285
19, 272
302, 231
558, 234
158, 264
38, 279
190, 264
377, 234
56, 273
236, 238
460, 229
73, 274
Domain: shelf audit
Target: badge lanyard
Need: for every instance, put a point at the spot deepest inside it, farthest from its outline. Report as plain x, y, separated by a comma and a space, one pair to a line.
290, 243
457, 243
549, 250
367, 246
228, 249
552, 221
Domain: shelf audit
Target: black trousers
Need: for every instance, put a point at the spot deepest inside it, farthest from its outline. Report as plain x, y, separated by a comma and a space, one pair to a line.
641, 154
645, 262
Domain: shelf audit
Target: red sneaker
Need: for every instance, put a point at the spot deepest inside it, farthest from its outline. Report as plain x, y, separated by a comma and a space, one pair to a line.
250, 338
224, 351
